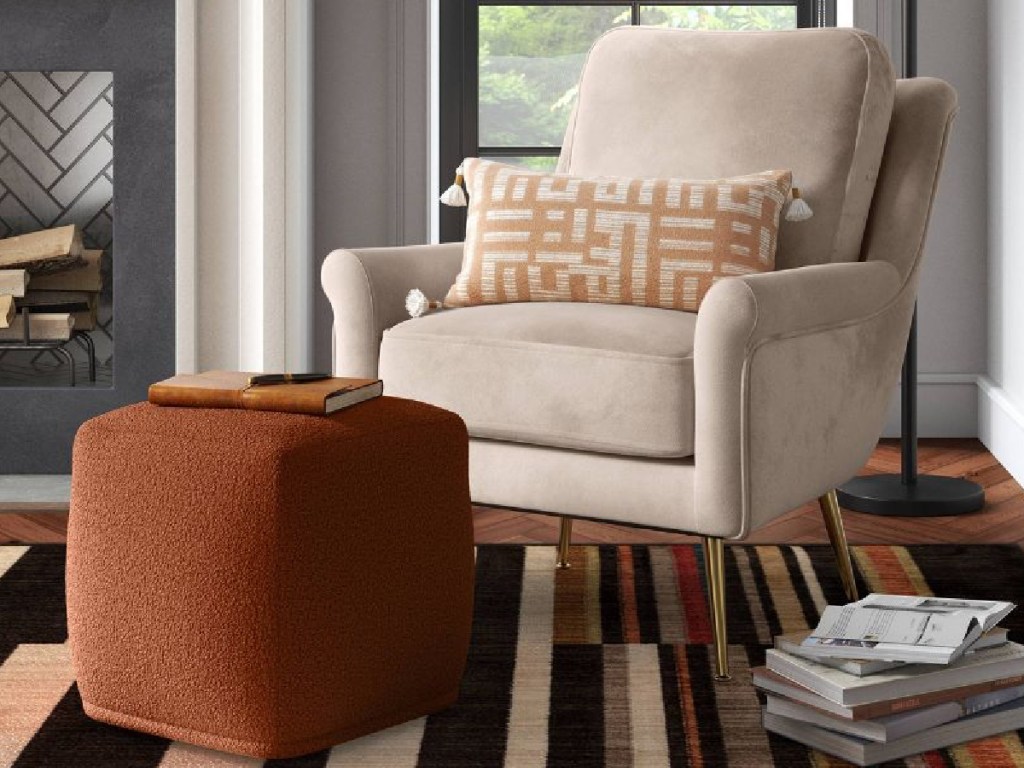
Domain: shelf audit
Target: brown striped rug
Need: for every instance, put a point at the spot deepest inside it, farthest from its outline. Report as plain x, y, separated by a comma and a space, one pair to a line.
606, 664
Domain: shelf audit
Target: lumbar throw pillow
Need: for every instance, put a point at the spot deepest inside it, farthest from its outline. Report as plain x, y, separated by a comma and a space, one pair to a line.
534, 236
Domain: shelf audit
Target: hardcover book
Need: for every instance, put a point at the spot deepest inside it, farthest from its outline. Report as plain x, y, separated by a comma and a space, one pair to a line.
898, 725
792, 644
980, 667
232, 389
1007, 717
923, 630
772, 683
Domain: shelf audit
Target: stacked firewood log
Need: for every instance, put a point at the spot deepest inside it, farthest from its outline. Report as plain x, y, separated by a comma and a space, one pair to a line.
48, 277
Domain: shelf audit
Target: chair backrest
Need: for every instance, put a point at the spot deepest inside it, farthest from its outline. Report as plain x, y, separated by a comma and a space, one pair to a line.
922, 115
703, 105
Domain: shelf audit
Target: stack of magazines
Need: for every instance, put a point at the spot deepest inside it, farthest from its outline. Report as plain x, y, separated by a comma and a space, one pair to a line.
891, 676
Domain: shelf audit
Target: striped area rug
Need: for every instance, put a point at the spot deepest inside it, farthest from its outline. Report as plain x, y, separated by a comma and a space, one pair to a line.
606, 664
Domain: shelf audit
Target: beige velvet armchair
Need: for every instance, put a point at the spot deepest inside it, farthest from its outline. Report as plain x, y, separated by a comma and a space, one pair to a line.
711, 423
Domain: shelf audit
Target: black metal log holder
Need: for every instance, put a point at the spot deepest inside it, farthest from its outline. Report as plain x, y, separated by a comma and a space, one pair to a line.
55, 346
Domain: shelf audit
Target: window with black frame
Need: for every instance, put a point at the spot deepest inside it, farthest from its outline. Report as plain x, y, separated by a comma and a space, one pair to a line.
508, 70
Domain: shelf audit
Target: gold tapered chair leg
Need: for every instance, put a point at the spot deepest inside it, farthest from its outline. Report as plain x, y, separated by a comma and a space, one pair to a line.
714, 557
564, 539
837, 535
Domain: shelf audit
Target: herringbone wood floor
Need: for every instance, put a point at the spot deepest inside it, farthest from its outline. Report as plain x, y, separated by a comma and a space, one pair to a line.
1002, 520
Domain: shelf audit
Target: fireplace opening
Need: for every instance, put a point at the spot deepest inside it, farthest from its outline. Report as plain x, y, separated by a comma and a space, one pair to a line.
56, 229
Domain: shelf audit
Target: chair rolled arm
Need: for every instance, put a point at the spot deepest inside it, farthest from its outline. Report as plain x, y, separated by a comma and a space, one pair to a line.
793, 375
367, 289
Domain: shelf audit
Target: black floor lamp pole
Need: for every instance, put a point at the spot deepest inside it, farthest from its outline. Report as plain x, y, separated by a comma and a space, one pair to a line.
908, 409
909, 494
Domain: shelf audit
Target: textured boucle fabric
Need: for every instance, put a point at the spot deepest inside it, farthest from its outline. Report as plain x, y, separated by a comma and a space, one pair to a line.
269, 584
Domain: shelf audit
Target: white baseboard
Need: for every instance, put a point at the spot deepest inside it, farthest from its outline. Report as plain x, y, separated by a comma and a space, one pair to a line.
1001, 426
947, 406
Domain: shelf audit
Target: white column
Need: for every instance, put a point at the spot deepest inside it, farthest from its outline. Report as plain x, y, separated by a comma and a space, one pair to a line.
244, 202
299, 282
261, 177
185, 342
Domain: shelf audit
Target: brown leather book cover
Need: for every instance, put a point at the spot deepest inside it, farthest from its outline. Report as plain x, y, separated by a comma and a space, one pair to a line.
231, 389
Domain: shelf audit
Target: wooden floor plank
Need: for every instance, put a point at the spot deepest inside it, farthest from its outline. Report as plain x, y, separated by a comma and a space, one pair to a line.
1002, 520
33, 527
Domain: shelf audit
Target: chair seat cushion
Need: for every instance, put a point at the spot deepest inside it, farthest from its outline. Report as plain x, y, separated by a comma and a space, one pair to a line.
595, 377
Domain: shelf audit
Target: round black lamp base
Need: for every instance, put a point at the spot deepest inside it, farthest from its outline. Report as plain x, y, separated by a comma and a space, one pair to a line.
929, 496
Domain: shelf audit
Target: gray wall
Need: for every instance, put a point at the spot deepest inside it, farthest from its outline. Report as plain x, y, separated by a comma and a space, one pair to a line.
952, 317
953, 42
135, 41
1006, 294
1003, 412
371, 161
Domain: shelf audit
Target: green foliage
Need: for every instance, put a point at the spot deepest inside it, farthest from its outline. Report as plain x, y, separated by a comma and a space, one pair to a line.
538, 30
735, 17
531, 56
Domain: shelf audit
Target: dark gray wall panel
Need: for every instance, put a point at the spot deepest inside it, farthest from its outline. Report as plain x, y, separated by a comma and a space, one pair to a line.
134, 39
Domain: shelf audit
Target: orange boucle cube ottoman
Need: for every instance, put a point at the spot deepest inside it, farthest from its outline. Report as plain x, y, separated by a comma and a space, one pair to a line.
269, 584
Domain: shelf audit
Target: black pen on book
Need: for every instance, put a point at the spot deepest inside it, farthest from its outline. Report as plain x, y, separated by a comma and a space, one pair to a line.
265, 379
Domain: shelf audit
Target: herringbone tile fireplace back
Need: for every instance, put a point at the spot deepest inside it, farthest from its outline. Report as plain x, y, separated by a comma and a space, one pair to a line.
57, 161
56, 152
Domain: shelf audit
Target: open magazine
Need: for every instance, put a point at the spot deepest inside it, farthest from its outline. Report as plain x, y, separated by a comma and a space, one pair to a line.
922, 630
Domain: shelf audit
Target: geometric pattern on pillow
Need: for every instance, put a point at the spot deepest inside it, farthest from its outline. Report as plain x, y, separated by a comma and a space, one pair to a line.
534, 236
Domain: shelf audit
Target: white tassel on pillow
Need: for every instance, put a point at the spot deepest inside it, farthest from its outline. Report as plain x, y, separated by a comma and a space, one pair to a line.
455, 195
798, 209
417, 304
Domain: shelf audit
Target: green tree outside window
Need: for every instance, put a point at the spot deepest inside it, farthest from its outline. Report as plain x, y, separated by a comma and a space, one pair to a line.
531, 55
